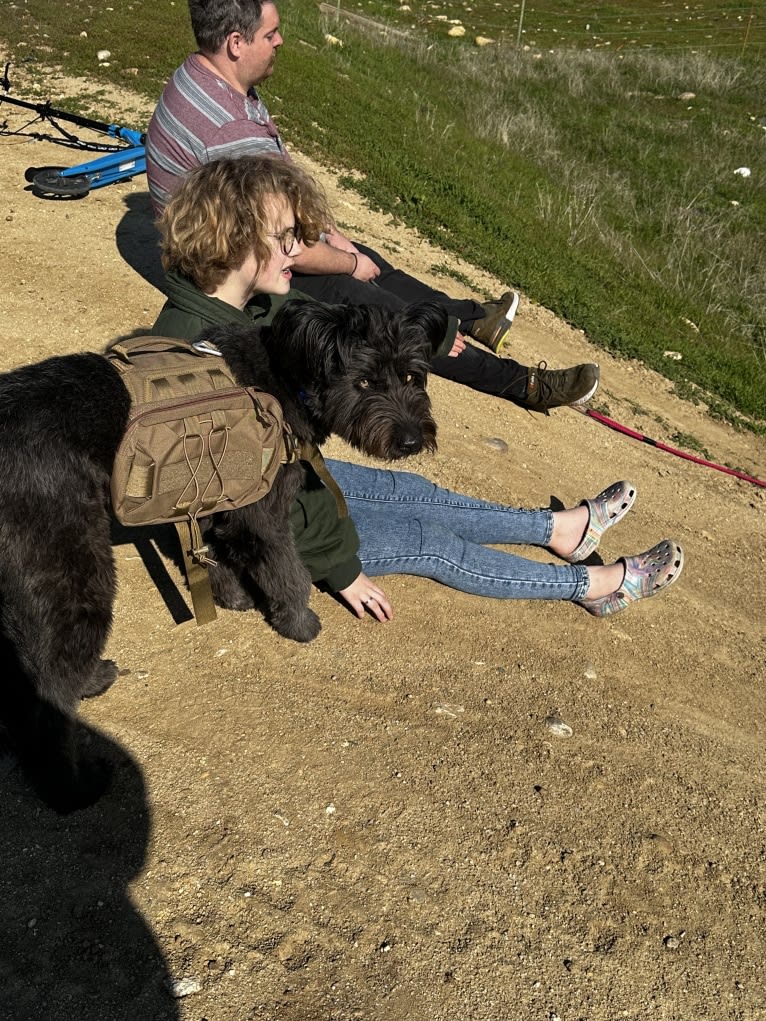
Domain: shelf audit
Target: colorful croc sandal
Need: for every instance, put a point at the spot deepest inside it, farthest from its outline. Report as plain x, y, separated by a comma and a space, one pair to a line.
646, 575
606, 510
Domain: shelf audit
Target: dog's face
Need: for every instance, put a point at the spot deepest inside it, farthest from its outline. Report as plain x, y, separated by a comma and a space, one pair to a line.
364, 371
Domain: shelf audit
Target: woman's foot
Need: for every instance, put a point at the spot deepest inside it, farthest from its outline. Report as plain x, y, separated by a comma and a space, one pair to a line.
603, 511
645, 575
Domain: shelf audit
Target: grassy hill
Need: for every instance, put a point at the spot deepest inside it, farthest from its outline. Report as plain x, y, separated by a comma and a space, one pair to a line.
594, 167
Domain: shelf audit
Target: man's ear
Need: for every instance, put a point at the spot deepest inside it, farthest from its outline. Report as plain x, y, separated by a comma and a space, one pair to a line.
233, 45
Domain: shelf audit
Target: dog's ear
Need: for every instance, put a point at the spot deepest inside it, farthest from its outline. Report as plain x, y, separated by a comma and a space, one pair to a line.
428, 319
311, 334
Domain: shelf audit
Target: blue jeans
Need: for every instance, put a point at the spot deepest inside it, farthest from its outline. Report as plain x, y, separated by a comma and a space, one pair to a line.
408, 525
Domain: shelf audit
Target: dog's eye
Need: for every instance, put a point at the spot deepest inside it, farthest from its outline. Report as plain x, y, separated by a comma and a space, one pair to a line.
364, 384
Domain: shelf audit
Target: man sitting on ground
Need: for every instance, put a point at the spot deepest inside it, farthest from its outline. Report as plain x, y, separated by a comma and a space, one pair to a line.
210, 109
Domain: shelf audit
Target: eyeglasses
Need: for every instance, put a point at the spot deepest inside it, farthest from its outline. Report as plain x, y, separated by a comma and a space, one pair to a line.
288, 237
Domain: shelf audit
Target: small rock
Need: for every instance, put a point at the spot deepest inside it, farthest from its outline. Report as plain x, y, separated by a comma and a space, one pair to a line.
456, 31
558, 727
104, 55
330, 810
743, 171
450, 709
333, 40
181, 987
83, 35
687, 95
661, 843
482, 40
589, 671
675, 356
671, 943
496, 443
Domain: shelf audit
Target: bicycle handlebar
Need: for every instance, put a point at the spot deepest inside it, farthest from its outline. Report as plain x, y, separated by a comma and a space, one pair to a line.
45, 110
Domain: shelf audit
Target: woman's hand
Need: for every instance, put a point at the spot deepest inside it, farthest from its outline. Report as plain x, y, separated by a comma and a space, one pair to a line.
363, 594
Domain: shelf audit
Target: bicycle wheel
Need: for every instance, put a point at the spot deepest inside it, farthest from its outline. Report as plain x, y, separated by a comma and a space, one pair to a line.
47, 181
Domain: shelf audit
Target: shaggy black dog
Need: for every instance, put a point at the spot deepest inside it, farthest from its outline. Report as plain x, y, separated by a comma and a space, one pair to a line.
358, 372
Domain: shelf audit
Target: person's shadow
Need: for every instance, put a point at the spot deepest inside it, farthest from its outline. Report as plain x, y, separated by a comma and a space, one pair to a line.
72, 944
138, 240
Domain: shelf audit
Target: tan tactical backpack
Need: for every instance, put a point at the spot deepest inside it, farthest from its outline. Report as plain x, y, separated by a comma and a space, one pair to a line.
196, 442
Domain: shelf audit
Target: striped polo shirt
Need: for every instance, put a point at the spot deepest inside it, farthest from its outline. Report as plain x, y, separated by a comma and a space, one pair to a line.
200, 118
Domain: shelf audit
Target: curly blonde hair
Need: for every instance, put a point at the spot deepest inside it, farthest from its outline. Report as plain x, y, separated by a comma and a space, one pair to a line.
220, 214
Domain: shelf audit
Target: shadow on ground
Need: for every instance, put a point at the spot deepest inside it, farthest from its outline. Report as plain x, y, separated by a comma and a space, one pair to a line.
138, 239
73, 945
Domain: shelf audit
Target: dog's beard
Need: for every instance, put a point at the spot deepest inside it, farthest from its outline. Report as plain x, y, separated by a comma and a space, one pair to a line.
388, 426
361, 372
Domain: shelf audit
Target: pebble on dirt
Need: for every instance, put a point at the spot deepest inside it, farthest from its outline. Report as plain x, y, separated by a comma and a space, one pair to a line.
181, 987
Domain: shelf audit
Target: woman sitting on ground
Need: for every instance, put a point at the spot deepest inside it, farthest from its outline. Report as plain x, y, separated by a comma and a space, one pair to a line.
230, 235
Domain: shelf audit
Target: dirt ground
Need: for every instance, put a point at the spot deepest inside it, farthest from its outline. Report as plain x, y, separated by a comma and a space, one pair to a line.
381, 824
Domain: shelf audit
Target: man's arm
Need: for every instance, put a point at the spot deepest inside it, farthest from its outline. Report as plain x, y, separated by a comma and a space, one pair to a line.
321, 259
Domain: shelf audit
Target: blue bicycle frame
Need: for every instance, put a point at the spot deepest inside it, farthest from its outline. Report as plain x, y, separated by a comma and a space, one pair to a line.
118, 164
115, 166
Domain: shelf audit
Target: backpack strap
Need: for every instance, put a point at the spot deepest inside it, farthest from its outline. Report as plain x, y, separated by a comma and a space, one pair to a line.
308, 452
196, 564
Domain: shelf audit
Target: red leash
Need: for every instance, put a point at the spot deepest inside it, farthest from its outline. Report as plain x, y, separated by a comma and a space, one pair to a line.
610, 422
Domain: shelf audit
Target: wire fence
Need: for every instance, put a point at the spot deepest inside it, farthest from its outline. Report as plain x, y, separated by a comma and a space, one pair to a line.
734, 29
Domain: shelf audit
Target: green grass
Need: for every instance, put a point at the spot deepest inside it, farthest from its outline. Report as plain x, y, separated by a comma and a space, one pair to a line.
578, 175
730, 28
689, 442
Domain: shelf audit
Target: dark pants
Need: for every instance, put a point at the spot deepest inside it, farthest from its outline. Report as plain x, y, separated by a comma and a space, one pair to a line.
481, 370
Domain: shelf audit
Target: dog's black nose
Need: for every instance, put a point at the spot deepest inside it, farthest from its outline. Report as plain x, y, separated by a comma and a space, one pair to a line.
411, 444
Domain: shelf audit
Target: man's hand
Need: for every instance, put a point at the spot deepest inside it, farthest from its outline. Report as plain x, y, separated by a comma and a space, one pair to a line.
325, 258
457, 347
365, 268
361, 267
338, 240
363, 594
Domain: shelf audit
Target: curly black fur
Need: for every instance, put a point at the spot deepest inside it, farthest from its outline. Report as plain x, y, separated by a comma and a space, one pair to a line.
60, 423
357, 372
